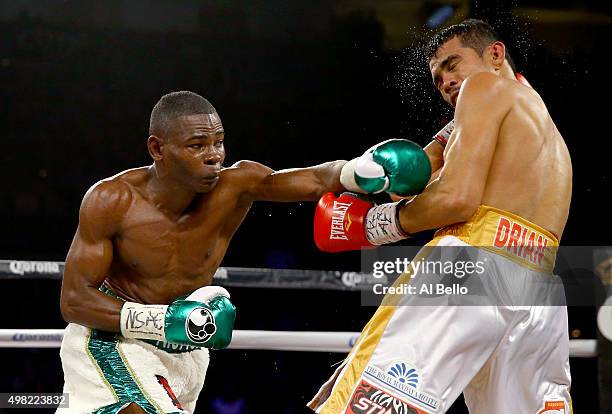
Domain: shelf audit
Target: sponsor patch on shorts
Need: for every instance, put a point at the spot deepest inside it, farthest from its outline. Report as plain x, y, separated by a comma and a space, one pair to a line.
553, 407
369, 399
403, 380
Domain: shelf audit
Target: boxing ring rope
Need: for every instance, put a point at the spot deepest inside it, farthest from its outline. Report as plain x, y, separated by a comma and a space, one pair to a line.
305, 341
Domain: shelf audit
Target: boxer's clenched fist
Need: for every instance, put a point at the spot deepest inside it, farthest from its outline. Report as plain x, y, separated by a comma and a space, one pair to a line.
351, 222
397, 166
203, 319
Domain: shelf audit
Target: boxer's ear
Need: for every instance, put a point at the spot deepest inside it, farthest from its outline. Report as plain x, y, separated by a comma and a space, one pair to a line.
154, 145
496, 53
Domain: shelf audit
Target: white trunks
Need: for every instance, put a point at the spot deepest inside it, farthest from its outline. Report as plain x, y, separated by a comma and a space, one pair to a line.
104, 372
505, 358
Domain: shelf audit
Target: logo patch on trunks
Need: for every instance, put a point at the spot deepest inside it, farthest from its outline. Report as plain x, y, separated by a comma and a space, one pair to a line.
403, 379
553, 407
368, 399
404, 373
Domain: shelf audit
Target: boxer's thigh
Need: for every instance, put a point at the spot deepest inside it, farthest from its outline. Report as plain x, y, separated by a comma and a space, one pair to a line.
421, 352
87, 389
130, 371
529, 372
418, 356
194, 365
429, 354
158, 380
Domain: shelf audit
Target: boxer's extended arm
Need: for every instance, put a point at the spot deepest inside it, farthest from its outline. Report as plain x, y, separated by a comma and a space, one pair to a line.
483, 103
90, 257
262, 183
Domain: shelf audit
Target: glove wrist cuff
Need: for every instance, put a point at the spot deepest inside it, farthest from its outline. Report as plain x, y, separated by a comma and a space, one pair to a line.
444, 134
143, 321
382, 224
347, 177
208, 293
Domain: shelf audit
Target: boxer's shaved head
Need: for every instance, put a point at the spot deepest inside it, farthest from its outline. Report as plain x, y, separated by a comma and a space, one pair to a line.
174, 105
472, 33
186, 141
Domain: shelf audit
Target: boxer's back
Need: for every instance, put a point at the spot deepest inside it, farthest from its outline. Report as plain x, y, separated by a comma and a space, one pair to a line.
531, 172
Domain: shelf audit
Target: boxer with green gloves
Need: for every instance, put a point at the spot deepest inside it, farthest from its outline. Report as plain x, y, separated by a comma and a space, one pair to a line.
136, 292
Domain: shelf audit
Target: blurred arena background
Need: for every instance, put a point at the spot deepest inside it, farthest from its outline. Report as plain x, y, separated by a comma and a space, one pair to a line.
295, 83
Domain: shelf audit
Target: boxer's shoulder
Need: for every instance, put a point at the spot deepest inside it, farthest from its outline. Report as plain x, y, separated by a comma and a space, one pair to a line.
112, 197
248, 167
246, 172
486, 83
244, 178
486, 90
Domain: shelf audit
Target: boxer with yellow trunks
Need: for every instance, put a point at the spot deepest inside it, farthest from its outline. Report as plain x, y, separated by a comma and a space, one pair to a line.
502, 195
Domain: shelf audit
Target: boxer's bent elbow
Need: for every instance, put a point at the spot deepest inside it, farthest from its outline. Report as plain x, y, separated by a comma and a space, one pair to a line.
69, 306
74, 305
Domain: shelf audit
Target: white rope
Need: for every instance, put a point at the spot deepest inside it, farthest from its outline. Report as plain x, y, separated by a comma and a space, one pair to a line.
306, 341
583, 348
294, 340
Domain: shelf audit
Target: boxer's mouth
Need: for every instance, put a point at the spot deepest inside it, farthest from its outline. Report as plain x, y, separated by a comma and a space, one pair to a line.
211, 177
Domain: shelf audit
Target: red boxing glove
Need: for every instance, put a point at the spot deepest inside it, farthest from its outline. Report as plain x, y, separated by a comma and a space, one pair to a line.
339, 222
349, 222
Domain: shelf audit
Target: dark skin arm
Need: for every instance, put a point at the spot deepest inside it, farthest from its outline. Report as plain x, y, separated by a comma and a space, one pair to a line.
105, 205
90, 257
262, 183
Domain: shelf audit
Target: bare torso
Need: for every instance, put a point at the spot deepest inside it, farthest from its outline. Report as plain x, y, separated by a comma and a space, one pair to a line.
156, 233
157, 257
531, 172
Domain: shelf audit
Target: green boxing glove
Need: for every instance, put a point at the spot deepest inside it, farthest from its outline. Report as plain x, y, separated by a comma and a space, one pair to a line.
397, 166
205, 318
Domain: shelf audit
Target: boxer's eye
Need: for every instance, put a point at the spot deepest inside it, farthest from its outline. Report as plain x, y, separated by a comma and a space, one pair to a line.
195, 146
